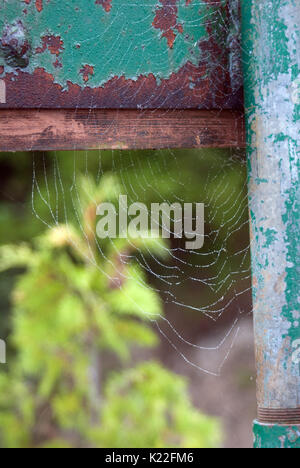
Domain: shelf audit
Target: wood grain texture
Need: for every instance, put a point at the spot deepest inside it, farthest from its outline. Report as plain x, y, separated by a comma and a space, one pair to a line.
42, 130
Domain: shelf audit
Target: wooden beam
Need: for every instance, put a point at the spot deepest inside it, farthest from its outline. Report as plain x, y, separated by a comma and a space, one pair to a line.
43, 130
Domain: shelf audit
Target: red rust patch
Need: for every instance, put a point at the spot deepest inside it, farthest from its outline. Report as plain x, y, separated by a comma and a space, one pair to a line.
39, 5
39, 90
179, 28
86, 72
166, 20
106, 4
57, 64
53, 43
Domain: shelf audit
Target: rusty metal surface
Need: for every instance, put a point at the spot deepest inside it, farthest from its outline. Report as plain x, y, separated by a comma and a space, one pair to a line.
272, 84
288, 416
121, 54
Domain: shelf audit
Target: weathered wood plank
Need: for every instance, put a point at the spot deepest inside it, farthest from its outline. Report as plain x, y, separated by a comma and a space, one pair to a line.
41, 130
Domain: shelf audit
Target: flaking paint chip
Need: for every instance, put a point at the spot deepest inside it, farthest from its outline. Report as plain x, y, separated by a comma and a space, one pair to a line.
2, 92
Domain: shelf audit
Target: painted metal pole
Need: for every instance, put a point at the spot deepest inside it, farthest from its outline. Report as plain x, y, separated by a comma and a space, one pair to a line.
271, 44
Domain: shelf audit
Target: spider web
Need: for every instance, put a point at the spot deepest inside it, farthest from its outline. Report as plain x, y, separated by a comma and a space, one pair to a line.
212, 282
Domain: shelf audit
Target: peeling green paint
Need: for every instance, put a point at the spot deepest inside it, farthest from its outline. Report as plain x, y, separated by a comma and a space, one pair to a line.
270, 236
119, 42
271, 41
275, 436
114, 54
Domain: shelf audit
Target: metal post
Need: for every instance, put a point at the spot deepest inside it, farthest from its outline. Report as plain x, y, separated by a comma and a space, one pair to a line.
271, 44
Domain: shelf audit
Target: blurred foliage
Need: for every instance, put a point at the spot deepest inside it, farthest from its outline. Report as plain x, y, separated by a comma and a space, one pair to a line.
74, 305
153, 403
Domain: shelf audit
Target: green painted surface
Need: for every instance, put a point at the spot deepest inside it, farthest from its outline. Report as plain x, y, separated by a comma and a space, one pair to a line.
271, 41
119, 42
274, 436
168, 54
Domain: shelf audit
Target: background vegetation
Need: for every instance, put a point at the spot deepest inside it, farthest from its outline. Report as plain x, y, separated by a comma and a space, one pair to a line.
70, 379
